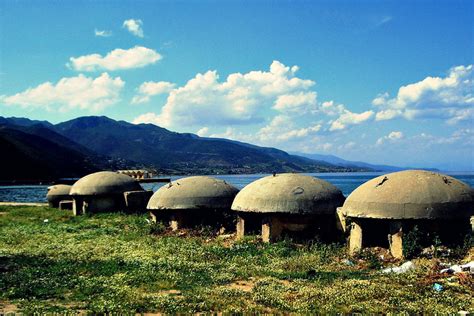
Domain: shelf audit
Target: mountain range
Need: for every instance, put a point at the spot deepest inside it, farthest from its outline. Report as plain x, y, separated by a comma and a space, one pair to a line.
41, 150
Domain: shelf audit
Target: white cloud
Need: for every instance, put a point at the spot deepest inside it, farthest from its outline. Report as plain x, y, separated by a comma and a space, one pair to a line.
134, 26
331, 109
78, 92
347, 146
383, 20
449, 98
151, 88
102, 33
299, 102
240, 99
392, 137
282, 129
203, 131
118, 59
348, 118
462, 138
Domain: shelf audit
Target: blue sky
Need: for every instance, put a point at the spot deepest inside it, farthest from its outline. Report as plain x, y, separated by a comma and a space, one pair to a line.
378, 81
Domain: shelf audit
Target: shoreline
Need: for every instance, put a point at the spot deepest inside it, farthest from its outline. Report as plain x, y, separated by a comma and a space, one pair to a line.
23, 204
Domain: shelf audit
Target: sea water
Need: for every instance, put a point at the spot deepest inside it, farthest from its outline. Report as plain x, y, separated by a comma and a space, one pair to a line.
346, 182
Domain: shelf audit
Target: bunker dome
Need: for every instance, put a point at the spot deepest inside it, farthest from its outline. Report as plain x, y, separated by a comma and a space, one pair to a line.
392, 202
287, 202
107, 191
193, 200
57, 193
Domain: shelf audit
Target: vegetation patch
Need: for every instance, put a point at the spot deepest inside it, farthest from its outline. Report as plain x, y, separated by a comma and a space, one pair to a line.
51, 261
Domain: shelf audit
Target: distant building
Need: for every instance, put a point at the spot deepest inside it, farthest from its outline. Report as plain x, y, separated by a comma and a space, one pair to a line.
136, 174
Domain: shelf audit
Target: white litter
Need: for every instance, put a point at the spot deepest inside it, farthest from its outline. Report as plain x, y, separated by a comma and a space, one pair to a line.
468, 267
45, 221
407, 266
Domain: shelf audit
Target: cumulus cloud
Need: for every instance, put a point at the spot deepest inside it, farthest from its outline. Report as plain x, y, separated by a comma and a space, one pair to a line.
282, 128
203, 131
345, 118
299, 102
392, 137
240, 99
102, 33
78, 92
118, 59
348, 118
134, 26
449, 98
151, 88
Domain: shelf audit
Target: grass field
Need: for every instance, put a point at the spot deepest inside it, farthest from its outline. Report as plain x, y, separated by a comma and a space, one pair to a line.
117, 262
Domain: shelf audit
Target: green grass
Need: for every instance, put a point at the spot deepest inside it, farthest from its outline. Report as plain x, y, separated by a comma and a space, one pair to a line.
121, 263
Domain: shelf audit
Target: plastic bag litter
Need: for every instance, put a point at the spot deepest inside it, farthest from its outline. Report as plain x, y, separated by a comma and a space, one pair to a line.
468, 267
437, 287
407, 266
348, 262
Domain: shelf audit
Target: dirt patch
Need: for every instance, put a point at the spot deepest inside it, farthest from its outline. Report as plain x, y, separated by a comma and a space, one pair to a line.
242, 285
3, 213
171, 292
8, 309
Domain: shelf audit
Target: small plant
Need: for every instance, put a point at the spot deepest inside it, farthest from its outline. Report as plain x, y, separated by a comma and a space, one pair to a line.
462, 250
157, 228
412, 243
373, 261
437, 244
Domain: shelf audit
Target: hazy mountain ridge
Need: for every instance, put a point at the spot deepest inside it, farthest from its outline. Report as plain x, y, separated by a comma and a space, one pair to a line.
27, 156
356, 164
86, 144
172, 152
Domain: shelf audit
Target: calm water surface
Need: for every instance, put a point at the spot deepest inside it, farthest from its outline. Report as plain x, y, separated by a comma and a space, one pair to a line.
346, 182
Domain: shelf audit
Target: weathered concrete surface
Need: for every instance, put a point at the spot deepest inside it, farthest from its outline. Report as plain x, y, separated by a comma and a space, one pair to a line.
395, 239
240, 228
137, 200
105, 183
341, 220
57, 193
194, 193
289, 193
271, 228
66, 205
98, 204
355, 238
411, 194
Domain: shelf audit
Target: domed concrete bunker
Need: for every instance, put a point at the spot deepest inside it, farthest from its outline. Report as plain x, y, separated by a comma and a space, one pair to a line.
391, 203
193, 200
291, 202
58, 193
108, 191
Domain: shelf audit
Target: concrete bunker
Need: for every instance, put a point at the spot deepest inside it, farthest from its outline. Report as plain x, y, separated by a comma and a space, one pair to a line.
108, 191
381, 210
58, 196
192, 201
287, 203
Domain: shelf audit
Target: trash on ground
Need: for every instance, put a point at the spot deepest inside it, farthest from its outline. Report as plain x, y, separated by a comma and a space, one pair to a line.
437, 287
438, 251
468, 267
46, 220
407, 266
348, 262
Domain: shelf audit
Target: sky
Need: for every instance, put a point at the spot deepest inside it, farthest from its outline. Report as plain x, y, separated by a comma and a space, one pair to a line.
387, 82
